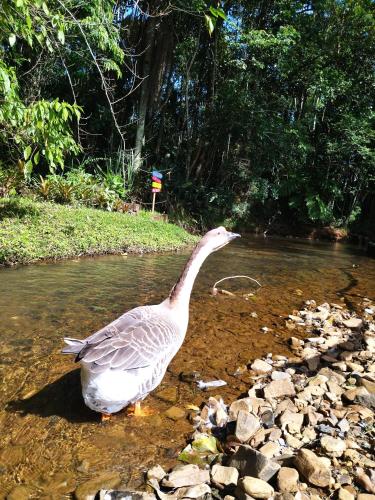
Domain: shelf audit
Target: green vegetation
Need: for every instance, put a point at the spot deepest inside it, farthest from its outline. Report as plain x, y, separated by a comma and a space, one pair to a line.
255, 111
30, 231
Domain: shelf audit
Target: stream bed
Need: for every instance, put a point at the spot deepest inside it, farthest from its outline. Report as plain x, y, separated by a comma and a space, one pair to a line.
50, 442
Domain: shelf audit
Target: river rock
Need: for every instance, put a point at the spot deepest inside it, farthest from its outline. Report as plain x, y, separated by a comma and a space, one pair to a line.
292, 441
332, 375
287, 479
312, 468
157, 472
255, 487
353, 323
334, 447
370, 341
260, 366
355, 367
276, 375
270, 449
20, 492
291, 421
244, 404
368, 384
175, 413
367, 400
186, 475
246, 426
352, 394
279, 388
125, 495
89, 489
224, 475
344, 494
251, 462
365, 496
169, 394
198, 492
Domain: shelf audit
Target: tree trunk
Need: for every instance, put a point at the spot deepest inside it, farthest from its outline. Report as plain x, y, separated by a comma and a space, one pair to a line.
145, 89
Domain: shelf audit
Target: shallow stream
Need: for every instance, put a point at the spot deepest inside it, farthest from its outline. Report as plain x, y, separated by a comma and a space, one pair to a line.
50, 442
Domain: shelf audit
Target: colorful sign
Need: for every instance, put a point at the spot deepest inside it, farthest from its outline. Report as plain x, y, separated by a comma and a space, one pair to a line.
156, 181
155, 186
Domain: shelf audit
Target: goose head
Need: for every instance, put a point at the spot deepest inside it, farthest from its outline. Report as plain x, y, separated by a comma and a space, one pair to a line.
217, 238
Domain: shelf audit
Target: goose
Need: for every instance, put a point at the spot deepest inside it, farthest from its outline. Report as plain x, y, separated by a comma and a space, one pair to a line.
127, 359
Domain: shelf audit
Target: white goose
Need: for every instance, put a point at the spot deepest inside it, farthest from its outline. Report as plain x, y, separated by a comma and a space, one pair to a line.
124, 361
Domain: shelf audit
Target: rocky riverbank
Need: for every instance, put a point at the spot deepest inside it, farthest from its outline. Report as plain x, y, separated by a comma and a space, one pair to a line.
304, 430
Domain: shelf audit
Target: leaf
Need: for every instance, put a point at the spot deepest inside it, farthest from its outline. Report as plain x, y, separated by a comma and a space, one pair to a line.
27, 152
210, 23
45, 8
12, 39
28, 168
4, 76
36, 158
61, 36
65, 114
218, 12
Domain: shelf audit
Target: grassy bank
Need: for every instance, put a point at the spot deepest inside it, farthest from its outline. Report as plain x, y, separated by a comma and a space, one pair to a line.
32, 231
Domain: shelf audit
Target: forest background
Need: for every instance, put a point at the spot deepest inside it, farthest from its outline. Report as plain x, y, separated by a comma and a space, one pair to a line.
258, 113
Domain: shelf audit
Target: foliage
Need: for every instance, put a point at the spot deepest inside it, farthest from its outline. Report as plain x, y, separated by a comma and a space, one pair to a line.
38, 129
254, 110
30, 231
77, 187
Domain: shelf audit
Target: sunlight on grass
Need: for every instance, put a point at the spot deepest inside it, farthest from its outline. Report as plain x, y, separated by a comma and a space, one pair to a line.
31, 231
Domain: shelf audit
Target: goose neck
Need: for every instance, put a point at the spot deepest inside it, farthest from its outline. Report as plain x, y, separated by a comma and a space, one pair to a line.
180, 294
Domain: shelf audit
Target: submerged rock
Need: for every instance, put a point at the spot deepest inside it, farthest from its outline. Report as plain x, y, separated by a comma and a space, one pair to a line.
125, 495
89, 489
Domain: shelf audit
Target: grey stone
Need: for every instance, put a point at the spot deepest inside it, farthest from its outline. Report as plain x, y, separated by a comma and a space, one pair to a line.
125, 495
278, 388
255, 487
186, 475
224, 475
251, 462
246, 426
287, 480
313, 468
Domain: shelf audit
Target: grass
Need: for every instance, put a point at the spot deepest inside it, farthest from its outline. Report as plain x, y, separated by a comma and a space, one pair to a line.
32, 231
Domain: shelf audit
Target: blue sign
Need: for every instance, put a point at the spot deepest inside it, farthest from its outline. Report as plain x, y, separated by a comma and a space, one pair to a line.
157, 174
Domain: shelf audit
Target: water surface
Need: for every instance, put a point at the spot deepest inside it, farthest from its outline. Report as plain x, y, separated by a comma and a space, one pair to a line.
50, 441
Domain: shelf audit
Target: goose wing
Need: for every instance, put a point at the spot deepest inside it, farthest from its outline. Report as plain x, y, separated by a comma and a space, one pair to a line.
135, 340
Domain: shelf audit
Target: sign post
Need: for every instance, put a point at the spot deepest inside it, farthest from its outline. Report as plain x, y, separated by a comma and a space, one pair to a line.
156, 186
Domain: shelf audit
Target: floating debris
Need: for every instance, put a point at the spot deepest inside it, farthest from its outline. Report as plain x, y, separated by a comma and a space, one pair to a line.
212, 383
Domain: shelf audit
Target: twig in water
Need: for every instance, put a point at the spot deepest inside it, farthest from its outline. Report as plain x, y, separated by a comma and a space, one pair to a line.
215, 290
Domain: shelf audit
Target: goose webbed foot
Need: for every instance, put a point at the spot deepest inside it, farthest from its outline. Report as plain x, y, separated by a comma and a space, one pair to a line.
136, 410
105, 417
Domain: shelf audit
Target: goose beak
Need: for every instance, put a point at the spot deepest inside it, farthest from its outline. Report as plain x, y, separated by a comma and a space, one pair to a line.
232, 236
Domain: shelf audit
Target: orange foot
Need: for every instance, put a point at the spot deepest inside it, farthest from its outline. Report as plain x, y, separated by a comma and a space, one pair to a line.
105, 417
136, 410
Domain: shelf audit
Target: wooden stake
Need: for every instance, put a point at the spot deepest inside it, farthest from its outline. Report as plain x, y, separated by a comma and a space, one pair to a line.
153, 202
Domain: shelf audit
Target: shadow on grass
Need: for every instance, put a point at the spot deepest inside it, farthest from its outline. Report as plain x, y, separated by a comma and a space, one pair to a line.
61, 397
16, 208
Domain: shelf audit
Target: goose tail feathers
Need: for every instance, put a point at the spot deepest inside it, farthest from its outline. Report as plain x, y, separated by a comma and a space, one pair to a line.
74, 346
